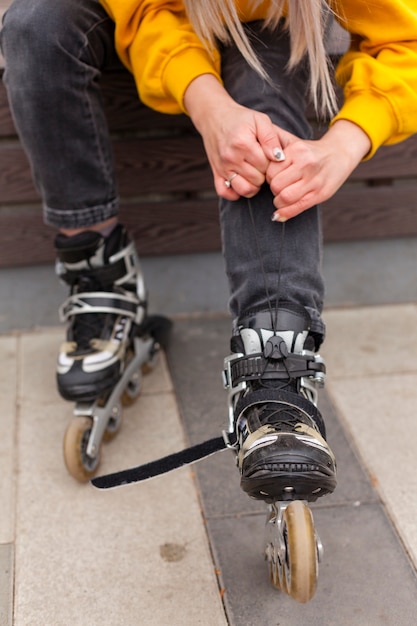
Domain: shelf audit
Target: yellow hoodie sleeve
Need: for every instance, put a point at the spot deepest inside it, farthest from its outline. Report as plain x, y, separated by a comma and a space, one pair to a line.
379, 72
156, 43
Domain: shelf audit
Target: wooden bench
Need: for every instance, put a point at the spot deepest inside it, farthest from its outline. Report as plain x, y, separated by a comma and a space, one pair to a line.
167, 197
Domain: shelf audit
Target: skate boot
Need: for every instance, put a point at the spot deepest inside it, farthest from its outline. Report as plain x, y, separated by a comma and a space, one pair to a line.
275, 427
109, 339
279, 438
106, 306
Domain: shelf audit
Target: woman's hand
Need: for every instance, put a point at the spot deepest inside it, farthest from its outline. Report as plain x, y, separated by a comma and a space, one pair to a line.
245, 148
239, 142
314, 170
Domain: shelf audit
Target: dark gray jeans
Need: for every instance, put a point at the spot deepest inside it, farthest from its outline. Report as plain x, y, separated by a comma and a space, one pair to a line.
55, 50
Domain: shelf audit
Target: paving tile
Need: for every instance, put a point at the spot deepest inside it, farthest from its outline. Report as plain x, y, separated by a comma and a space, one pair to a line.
137, 554
372, 374
8, 419
381, 415
370, 340
39, 350
6, 584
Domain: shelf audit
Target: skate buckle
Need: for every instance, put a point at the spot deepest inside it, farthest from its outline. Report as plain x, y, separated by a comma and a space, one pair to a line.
227, 371
233, 391
232, 445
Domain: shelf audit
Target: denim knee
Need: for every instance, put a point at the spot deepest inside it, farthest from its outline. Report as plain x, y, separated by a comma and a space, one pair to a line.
29, 28
37, 35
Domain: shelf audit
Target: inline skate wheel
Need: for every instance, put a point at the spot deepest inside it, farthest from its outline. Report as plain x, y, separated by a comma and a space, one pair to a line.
159, 328
116, 419
80, 466
132, 389
300, 567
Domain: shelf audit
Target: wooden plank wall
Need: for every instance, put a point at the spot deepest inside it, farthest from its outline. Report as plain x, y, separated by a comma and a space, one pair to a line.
168, 203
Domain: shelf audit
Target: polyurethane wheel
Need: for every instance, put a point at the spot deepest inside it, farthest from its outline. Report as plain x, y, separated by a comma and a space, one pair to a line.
113, 426
116, 419
132, 390
80, 466
301, 562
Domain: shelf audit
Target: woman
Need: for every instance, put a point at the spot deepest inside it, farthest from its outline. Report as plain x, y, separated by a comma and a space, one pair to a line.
265, 53
242, 71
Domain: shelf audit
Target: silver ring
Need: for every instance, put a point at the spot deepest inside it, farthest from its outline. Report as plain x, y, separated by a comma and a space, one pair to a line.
228, 182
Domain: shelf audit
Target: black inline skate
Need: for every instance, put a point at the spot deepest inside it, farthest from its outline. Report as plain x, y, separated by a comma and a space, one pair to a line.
279, 437
110, 340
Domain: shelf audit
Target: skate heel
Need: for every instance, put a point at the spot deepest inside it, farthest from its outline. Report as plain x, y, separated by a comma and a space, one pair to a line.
290, 480
100, 420
293, 549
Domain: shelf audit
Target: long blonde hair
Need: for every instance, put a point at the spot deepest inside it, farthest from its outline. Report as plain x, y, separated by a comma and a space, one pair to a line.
305, 20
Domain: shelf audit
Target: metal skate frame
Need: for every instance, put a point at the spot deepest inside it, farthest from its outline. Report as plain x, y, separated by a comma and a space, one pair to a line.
233, 391
144, 350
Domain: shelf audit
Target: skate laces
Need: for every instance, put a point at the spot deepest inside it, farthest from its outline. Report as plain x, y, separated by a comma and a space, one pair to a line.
274, 316
279, 416
86, 328
89, 326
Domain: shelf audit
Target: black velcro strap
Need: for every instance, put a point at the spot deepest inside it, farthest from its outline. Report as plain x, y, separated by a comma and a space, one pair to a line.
295, 400
160, 466
104, 276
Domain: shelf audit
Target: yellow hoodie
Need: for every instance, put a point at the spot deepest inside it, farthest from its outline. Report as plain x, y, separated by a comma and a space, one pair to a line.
156, 42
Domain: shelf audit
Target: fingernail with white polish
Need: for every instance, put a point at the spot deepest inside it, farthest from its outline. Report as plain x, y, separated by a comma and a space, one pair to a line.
279, 154
276, 217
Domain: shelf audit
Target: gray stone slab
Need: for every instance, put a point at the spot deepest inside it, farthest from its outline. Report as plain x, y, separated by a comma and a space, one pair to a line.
6, 584
360, 543
364, 579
